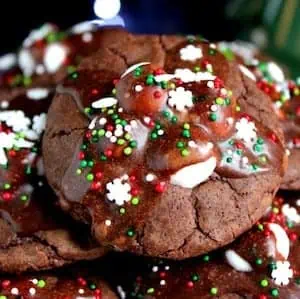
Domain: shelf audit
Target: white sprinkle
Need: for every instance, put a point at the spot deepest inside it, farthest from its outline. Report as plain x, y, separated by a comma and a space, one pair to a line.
4, 104
40, 167
32, 291
210, 84
167, 268
133, 67
214, 108
119, 191
26, 62
104, 103
81, 291
108, 222
162, 282
154, 269
55, 56
34, 281
138, 88
193, 175
298, 202
87, 37
190, 53
147, 119
237, 262
14, 291
40, 69
247, 72
102, 121
213, 46
37, 93
149, 177
108, 134
8, 61
160, 132
113, 139
223, 91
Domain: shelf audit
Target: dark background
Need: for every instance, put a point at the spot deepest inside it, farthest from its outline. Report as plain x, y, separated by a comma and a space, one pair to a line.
207, 17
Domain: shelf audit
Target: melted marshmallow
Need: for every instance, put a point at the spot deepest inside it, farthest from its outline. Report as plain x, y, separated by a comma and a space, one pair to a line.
193, 175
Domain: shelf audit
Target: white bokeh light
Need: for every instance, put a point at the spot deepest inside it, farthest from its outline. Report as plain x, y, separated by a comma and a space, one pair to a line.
107, 9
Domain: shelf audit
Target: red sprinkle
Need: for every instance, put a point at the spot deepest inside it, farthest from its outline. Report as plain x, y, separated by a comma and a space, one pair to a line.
293, 237
5, 284
157, 94
161, 187
190, 284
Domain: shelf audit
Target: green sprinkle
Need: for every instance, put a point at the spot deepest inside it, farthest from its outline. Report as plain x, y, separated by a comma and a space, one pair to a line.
122, 211
41, 283
150, 291
24, 197
263, 159
272, 266
120, 141
180, 144
260, 140
150, 80
297, 280
135, 200
213, 116
130, 232
257, 148
214, 291
166, 114
227, 101
74, 75
7, 186
258, 261
128, 136
154, 135
254, 166
186, 133
219, 101
185, 152
127, 151
174, 119
186, 126
83, 163
274, 292
92, 286
87, 110
229, 160
195, 277
264, 283
260, 227
133, 144
206, 258
3, 297
90, 177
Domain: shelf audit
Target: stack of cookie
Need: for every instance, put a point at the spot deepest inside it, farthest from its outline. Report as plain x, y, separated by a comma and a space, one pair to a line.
163, 154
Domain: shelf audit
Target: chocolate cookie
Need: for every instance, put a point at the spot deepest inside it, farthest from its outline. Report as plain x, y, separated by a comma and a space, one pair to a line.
171, 157
263, 263
34, 234
69, 283
48, 54
284, 93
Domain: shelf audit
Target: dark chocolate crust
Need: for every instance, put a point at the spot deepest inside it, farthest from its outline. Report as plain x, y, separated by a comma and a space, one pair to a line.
184, 222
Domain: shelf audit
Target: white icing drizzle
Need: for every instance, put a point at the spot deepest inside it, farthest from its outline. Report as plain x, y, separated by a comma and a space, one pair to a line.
8, 61
247, 72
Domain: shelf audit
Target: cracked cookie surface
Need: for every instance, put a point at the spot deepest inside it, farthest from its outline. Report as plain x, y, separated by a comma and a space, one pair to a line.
163, 146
